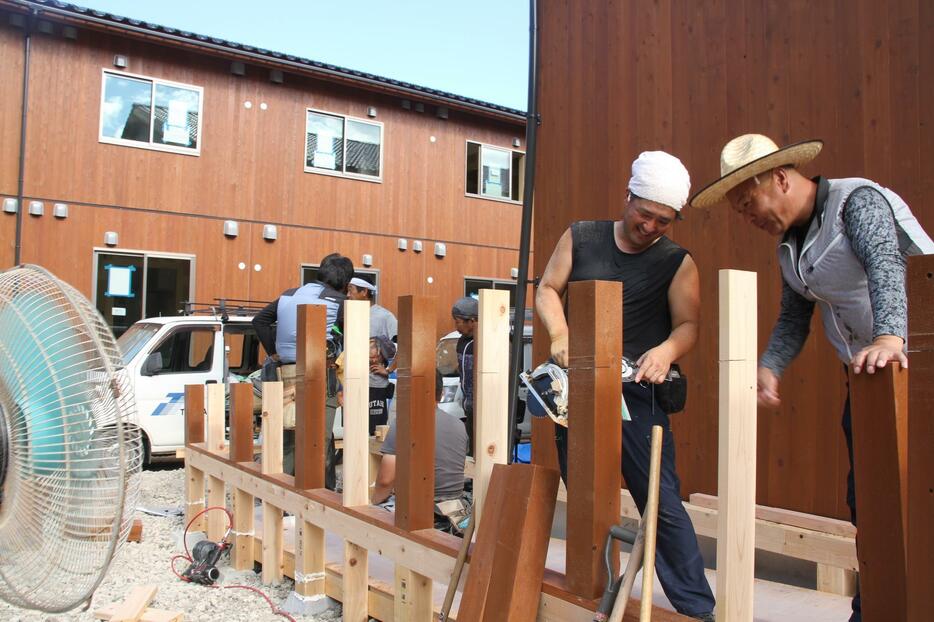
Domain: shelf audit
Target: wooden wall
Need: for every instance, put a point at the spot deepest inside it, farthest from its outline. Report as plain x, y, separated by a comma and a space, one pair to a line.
250, 170
618, 78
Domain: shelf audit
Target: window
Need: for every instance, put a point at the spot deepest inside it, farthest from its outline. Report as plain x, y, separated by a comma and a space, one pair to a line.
146, 112
472, 287
494, 172
310, 273
186, 350
340, 145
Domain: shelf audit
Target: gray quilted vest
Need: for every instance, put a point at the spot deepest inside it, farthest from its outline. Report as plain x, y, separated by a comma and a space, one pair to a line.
828, 272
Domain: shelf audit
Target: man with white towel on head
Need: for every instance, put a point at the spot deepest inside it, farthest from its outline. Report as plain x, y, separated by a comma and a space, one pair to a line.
661, 303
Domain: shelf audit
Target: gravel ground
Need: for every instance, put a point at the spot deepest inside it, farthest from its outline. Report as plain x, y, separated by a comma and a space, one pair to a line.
148, 563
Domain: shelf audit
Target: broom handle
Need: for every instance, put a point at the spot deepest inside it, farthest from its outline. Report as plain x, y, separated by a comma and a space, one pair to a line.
629, 577
651, 525
458, 568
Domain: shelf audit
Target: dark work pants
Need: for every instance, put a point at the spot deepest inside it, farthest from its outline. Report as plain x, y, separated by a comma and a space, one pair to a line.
847, 424
678, 561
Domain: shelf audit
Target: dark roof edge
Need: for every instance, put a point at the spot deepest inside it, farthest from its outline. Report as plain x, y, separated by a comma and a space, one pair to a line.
102, 20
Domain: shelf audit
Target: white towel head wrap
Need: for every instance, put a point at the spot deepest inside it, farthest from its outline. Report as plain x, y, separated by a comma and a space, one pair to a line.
660, 177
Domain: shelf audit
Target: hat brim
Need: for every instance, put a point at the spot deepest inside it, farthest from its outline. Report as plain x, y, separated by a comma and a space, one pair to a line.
796, 154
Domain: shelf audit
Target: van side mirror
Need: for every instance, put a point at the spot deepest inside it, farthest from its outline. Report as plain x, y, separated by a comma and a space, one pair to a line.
152, 365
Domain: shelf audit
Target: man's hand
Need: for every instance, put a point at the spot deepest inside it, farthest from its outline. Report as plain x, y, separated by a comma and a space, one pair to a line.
884, 348
559, 351
654, 364
767, 388
379, 370
276, 358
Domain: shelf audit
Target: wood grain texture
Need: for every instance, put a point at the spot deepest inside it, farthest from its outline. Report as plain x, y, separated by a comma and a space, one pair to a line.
879, 404
595, 429
687, 77
271, 461
310, 396
415, 414
920, 539
356, 388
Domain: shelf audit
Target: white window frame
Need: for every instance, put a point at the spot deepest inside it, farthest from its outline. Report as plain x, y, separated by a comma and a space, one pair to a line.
323, 171
478, 194
150, 145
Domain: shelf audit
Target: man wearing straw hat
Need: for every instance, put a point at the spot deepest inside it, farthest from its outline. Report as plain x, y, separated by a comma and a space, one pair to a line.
843, 247
661, 302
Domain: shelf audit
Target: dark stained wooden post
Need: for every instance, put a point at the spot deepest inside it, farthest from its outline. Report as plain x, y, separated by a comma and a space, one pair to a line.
879, 407
194, 413
310, 395
415, 412
920, 536
595, 327
241, 421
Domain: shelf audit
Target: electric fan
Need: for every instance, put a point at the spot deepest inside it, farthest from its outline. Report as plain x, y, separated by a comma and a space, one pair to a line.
70, 452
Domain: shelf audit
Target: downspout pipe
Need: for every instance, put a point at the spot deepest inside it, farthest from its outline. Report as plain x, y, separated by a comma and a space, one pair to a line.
20, 208
531, 131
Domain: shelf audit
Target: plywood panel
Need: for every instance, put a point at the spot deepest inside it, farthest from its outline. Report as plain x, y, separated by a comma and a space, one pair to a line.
687, 77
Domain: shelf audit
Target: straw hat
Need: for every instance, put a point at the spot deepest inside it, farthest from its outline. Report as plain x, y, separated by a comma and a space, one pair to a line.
748, 155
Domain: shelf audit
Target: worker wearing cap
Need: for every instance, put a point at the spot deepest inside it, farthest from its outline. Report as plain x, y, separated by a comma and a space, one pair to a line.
382, 322
661, 302
465, 312
843, 247
383, 329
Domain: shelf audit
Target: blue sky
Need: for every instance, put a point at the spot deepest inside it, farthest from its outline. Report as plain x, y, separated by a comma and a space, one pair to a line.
476, 48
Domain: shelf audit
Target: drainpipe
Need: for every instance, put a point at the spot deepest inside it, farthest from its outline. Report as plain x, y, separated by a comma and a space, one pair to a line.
531, 131
20, 208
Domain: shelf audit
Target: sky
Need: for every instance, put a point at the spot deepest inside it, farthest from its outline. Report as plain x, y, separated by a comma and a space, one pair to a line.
476, 48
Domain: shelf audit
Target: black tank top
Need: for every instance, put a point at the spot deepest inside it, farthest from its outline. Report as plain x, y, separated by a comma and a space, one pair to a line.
646, 277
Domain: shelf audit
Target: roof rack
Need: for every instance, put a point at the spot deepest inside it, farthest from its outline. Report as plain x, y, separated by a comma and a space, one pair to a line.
224, 307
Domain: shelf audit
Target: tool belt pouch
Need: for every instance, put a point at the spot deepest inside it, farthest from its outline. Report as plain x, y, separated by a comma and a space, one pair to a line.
673, 394
451, 515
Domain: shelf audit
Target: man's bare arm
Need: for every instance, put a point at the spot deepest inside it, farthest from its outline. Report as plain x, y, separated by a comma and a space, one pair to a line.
548, 297
684, 305
385, 479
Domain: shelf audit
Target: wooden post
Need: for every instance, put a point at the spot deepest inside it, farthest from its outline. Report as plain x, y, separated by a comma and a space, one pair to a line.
879, 405
310, 420
271, 465
356, 449
491, 401
241, 450
920, 536
194, 433
217, 443
736, 469
595, 430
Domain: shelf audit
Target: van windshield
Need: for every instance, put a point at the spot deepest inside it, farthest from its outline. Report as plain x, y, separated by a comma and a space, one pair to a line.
133, 340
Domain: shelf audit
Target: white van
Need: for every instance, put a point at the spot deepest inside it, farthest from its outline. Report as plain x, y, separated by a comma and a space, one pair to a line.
163, 354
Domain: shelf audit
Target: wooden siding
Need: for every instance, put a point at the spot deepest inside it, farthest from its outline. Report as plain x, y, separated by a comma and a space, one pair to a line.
622, 77
11, 76
250, 170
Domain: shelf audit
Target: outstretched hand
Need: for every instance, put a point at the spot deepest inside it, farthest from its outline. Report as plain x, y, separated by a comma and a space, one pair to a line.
882, 350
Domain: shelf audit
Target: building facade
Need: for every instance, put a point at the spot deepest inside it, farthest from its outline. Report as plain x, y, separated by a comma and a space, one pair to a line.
159, 166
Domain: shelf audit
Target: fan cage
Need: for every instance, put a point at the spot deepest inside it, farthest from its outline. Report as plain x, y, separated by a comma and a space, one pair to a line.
73, 449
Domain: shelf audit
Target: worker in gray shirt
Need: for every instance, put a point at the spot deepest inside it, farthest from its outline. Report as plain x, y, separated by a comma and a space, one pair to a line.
843, 248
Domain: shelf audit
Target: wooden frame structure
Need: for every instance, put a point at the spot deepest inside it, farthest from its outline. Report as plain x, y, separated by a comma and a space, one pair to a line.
423, 555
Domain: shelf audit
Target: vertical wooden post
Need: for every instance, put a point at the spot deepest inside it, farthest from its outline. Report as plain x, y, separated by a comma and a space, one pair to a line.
491, 401
272, 464
309, 443
194, 433
920, 537
415, 443
736, 468
241, 450
356, 449
217, 443
415, 413
595, 430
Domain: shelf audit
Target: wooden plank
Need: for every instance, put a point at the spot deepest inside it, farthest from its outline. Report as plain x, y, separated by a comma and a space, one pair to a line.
149, 615
217, 519
272, 543
920, 537
241, 450
413, 596
215, 406
822, 524
491, 403
415, 413
310, 395
132, 608
136, 531
309, 560
241, 552
194, 478
736, 529
356, 401
272, 428
508, 562
836, 580
879, 404
355, 585
595, 430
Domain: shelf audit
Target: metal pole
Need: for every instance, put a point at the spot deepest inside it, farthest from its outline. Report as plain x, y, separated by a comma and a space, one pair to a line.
531, 131
18, 249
